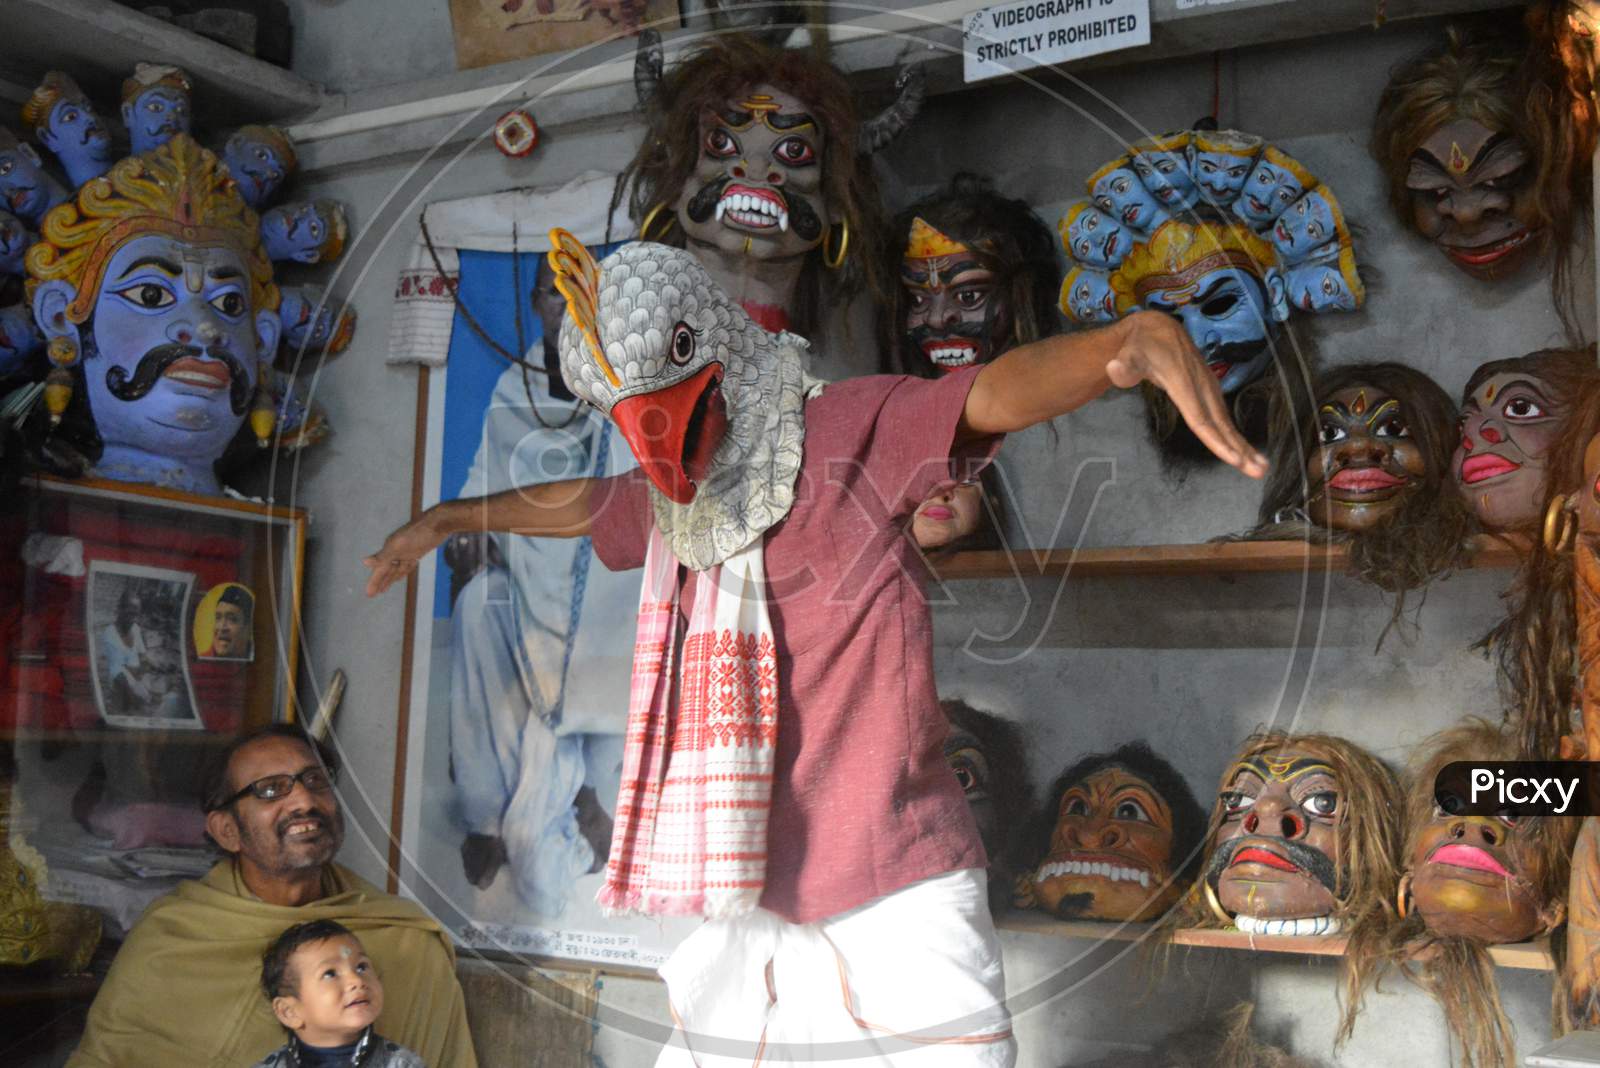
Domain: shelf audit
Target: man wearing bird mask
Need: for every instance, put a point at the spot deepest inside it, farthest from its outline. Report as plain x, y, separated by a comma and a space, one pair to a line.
785, 775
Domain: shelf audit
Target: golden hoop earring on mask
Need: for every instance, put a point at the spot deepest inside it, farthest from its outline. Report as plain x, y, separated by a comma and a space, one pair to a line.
1402, 896
650, 217
1216, 906
1560, 524
834, 262
62, 350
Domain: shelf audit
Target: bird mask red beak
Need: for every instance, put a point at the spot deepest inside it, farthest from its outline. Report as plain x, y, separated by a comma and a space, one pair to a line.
675, 431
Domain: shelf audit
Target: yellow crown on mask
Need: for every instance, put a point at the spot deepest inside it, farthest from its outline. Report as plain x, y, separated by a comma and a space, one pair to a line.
1179, 254
578, 280
1279, 158
926, 242
1230, 141
180, 190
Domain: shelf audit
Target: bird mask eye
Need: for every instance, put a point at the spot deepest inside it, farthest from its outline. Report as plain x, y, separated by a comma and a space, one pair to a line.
681, 351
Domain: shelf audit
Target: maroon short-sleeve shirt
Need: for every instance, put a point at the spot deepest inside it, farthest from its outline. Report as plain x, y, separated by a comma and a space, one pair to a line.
864, 802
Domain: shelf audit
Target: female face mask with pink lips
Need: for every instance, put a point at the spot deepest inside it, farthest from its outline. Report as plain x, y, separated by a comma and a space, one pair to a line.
949, 516
1509, 420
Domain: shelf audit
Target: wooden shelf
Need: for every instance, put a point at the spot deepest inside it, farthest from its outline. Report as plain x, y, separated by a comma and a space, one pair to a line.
1534, 956
98, 42
575, 90
1208, 558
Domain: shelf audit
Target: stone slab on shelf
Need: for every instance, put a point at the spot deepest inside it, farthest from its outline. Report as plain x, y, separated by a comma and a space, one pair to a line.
98, 42
1533, 956
1206, 558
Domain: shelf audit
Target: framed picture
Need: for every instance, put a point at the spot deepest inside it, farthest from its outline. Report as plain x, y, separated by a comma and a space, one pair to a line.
522, 652
134, 618
495, 31
143, 608
140, 631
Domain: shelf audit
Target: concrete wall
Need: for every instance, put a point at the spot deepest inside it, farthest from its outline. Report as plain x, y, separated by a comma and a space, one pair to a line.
1191, 664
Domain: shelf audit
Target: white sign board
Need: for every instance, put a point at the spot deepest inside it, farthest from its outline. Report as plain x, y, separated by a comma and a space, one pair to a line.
1007, 38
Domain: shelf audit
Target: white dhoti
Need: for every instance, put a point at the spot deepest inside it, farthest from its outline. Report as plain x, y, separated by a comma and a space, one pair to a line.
912, 979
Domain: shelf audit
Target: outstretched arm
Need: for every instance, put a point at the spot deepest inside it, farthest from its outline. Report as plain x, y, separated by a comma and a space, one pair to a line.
1047, 378
547, 510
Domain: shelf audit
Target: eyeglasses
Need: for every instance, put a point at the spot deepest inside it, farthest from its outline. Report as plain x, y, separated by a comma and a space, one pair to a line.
316, 779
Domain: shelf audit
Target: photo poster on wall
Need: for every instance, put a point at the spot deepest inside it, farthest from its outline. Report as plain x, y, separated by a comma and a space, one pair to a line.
523, 651
495, 31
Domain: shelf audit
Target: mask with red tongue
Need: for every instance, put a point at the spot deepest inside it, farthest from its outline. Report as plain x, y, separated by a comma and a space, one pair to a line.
710, 403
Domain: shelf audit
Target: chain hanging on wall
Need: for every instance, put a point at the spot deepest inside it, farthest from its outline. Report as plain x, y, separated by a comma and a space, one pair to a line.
454, 286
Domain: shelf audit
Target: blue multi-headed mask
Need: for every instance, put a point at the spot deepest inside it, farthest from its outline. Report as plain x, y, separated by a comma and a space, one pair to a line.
158, 289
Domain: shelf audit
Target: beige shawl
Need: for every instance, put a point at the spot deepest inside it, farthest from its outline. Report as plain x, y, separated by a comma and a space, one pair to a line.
185, 987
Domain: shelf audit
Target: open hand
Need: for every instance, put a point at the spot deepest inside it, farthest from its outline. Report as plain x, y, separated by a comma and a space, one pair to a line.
1157, 349
401, 551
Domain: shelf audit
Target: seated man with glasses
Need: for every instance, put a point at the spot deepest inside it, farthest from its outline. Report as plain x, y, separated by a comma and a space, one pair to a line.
185, 986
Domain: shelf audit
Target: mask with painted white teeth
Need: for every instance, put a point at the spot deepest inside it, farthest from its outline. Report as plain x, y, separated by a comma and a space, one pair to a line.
1304, 838
1125, 837
757, 188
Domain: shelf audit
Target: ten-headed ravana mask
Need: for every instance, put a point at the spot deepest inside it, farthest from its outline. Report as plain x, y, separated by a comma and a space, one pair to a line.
1213, 226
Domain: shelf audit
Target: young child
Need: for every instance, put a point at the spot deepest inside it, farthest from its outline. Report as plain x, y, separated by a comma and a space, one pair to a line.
326, 993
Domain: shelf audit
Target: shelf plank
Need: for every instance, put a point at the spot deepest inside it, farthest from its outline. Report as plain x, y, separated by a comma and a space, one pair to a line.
98, 42
1532, 956
1207, 558
571, 91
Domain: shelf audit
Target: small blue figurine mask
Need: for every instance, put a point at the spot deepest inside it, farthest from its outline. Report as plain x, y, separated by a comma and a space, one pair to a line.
1329, 284
1276, 181
1117, 191
155, 106
304, 233
1308, 227
1086, 297
1162, 164
1221, 160
19, 339
26, 190
314, 323
1092, 237
64, 121
260, 158
15, 237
